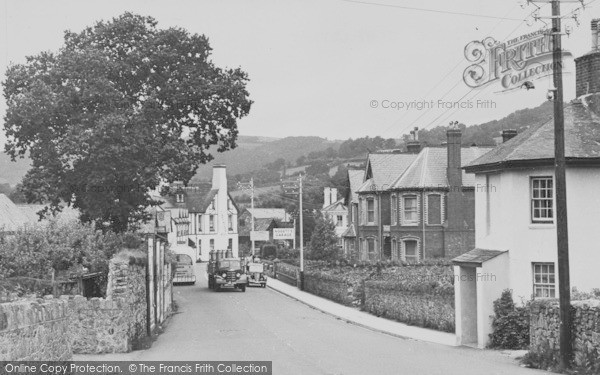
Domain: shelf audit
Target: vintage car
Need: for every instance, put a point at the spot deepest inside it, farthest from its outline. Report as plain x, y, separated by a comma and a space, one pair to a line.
256, 274
226, 273
184, 270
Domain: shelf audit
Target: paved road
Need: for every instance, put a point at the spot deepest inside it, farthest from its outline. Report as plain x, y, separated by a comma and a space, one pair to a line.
262, 324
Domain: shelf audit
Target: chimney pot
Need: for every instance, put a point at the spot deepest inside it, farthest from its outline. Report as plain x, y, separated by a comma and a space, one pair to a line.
508, 134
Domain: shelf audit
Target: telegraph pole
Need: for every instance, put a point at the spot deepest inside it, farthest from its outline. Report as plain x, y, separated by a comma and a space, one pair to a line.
301, 237
562, 232
250, 187
252, 213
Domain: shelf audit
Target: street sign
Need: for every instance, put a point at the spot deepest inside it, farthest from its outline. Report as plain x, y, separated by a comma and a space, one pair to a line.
259, 235
283, 233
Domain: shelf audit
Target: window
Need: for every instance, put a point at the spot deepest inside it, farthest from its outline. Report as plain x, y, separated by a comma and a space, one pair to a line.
212, 244
199, 223
434, 209
211, 222
212, 204
230, 244
339, 221
541, 200
410, 212
179, 198
395, 254
370, 210
410, 251
230, 222
394, 210
362, 211
544, 285
371, 245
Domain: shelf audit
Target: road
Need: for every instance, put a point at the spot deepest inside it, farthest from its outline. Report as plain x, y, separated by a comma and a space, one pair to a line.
262, 324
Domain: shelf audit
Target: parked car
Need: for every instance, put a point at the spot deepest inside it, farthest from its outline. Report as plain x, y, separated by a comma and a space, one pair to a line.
184, 271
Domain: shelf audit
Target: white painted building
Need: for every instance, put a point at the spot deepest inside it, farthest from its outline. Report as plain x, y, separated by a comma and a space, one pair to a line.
336, 211
207, 215
515, 211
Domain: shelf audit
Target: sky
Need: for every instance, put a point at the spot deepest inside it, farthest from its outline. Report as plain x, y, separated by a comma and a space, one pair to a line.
330, 68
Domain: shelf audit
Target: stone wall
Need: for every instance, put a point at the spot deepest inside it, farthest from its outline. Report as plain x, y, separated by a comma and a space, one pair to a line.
545, 336
333, 288
114, 324
34, 330
435, 311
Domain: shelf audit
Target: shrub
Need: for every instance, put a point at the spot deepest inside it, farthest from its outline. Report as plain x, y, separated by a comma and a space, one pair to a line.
510, 325
60, 248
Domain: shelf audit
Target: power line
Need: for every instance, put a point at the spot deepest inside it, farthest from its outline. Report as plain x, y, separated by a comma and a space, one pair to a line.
433, 10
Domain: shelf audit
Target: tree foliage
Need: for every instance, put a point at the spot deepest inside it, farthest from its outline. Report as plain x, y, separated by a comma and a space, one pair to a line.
119, 107
323, 242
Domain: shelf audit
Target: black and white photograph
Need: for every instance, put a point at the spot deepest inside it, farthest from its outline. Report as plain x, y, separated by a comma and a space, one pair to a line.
282, 187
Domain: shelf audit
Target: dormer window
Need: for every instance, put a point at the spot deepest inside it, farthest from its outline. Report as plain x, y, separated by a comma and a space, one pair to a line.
179, 197
212, 204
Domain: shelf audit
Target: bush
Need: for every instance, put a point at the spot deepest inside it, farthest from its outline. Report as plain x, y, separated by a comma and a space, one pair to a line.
60, 248
510, 325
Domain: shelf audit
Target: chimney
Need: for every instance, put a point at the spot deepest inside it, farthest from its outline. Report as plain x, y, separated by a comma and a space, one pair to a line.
508, 134
219, 179
587, 67
334, 196
413, 147
455, 200
453, 171
326, 197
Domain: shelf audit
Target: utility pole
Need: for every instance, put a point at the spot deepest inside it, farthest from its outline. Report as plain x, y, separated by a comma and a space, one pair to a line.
301, 237
250, 187
562, 232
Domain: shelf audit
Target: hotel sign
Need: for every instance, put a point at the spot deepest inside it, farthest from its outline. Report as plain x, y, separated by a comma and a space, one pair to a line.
510, 63
259, 235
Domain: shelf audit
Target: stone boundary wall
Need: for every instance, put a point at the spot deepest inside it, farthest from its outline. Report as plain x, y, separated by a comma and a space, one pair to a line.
34, 330
435, 311
334, 288
545, 333
117, 323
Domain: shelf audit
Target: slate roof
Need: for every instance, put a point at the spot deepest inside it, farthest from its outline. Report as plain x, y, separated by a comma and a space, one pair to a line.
31, 210
429, 168
261, 224
355, 176
384, 168
197, 198
477, 256
582, 139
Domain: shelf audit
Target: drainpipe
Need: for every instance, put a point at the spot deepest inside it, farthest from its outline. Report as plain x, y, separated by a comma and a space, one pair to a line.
380, 227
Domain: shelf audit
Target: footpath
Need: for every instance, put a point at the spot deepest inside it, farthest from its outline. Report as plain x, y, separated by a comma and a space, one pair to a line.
361, 318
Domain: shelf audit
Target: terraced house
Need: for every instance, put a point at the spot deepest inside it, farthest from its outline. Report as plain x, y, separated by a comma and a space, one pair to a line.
419, 204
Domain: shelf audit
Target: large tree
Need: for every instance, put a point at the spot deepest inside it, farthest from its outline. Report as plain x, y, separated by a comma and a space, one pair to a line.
120, 106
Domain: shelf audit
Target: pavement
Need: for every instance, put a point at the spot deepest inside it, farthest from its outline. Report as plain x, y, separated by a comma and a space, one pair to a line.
363, 319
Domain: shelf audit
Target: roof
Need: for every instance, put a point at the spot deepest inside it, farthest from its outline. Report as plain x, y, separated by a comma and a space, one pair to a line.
350, 232
336, 206
582, 140
268, 213
383, 169
262, 224
355, 177
11, 217
429, 170
31, 210
477, 256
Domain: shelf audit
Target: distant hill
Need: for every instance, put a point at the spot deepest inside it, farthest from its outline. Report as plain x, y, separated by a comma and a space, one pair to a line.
485, 133
253, 153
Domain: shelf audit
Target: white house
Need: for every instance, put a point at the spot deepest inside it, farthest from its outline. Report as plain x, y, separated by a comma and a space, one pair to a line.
515, 213
205, 217
336, 211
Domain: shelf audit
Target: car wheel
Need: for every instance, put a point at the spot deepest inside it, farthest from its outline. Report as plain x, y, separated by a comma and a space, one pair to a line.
243, 288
